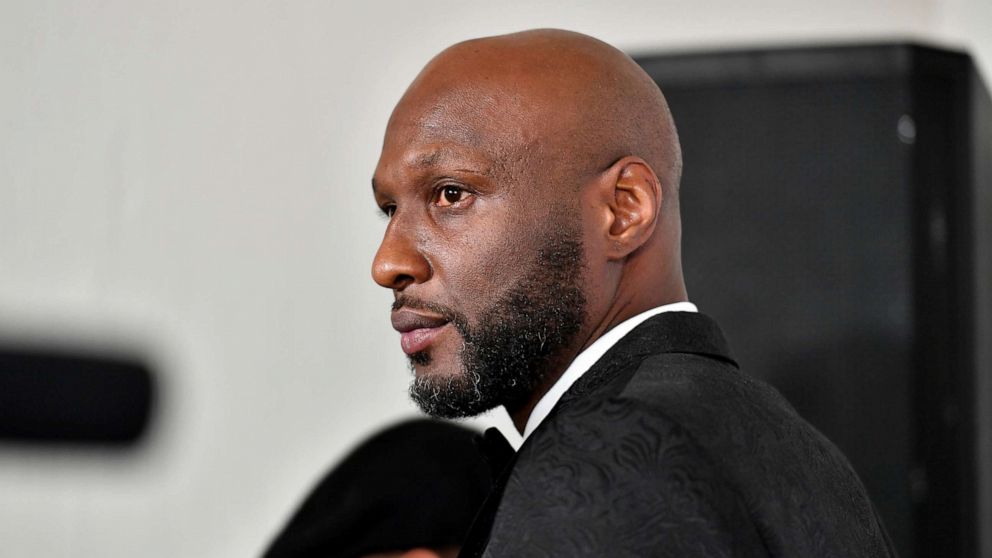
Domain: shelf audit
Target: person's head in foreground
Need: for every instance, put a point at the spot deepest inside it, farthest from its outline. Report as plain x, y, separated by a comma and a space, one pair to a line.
409, 491
531, 185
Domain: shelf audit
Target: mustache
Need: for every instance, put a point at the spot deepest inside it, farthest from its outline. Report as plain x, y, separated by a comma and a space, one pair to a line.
404, 301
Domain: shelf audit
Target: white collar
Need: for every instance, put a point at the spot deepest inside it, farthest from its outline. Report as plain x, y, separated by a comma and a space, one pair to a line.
584, 361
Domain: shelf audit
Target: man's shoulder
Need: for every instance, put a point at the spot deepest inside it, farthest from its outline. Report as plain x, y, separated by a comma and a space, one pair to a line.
741, 424
701, 392
706, 401
612, 471
681, 442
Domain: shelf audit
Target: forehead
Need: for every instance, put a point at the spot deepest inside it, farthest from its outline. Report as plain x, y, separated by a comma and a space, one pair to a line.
494, 112
464, 133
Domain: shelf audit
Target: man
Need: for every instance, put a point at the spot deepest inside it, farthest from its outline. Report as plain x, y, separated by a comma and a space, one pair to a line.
409, 491
531, 185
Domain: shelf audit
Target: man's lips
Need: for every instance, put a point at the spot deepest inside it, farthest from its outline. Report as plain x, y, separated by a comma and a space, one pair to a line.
417, 331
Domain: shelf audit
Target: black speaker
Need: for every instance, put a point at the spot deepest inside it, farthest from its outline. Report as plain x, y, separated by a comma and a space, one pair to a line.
837, 221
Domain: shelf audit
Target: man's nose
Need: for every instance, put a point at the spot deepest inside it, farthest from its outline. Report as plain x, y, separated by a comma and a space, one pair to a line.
399, 262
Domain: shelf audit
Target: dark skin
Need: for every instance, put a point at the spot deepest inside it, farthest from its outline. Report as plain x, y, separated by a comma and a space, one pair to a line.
497, 138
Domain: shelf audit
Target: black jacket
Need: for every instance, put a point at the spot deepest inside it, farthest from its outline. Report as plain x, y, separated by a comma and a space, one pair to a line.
665, 448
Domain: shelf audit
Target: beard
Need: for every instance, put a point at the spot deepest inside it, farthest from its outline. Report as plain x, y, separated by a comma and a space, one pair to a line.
510, 352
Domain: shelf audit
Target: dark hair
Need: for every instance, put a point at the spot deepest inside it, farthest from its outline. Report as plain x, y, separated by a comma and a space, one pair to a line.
416, 484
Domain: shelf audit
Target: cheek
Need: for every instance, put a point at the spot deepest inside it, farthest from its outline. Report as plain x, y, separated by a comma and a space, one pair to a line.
478, 266
597, 218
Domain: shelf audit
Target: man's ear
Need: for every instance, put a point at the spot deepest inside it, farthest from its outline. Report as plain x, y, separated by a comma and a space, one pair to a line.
634, 205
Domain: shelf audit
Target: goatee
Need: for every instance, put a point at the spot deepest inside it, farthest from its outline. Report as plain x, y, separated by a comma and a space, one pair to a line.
509, 353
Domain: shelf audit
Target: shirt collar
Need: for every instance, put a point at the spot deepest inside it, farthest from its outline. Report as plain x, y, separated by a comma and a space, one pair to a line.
589, 356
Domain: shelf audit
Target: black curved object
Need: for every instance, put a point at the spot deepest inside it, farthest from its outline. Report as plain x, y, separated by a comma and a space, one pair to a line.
59, 397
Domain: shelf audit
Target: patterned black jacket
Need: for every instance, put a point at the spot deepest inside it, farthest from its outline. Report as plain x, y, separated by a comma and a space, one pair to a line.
665, 448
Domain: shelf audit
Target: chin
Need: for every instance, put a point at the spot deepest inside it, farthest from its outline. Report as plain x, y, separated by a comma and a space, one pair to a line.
428, 364
447, 391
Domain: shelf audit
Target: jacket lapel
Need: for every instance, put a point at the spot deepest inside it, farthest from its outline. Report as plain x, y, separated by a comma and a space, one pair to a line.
501, 457
669, 332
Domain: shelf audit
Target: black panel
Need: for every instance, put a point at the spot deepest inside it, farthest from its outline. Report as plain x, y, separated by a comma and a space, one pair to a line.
60, 397
829, 225
981, 277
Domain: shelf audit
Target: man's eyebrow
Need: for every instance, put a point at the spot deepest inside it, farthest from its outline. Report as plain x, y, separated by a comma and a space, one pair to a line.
428, 159
435, 158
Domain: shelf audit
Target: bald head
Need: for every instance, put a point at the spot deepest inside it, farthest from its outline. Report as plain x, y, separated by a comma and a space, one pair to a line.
531, 183
563, 97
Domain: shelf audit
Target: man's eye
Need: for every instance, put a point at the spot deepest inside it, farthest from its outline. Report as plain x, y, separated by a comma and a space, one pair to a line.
388, 210
450, 195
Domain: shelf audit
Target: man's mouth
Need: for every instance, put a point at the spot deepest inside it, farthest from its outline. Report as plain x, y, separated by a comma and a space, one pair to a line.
417, 331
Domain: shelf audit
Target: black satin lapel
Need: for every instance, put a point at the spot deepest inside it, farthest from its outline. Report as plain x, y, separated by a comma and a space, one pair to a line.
501, 457
495, 449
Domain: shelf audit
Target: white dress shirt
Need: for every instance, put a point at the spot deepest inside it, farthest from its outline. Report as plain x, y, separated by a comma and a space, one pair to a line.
589, 356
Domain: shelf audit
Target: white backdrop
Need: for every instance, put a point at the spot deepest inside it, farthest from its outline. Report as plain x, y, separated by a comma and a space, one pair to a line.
192, 182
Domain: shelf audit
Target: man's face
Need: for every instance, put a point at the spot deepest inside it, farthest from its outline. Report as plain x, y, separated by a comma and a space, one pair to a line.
484, 256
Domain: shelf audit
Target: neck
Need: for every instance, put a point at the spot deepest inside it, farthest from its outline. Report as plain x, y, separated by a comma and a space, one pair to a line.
520, 414
618, 314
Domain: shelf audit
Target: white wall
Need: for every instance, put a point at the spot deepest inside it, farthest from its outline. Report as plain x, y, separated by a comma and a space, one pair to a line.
193, 182
967, 25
